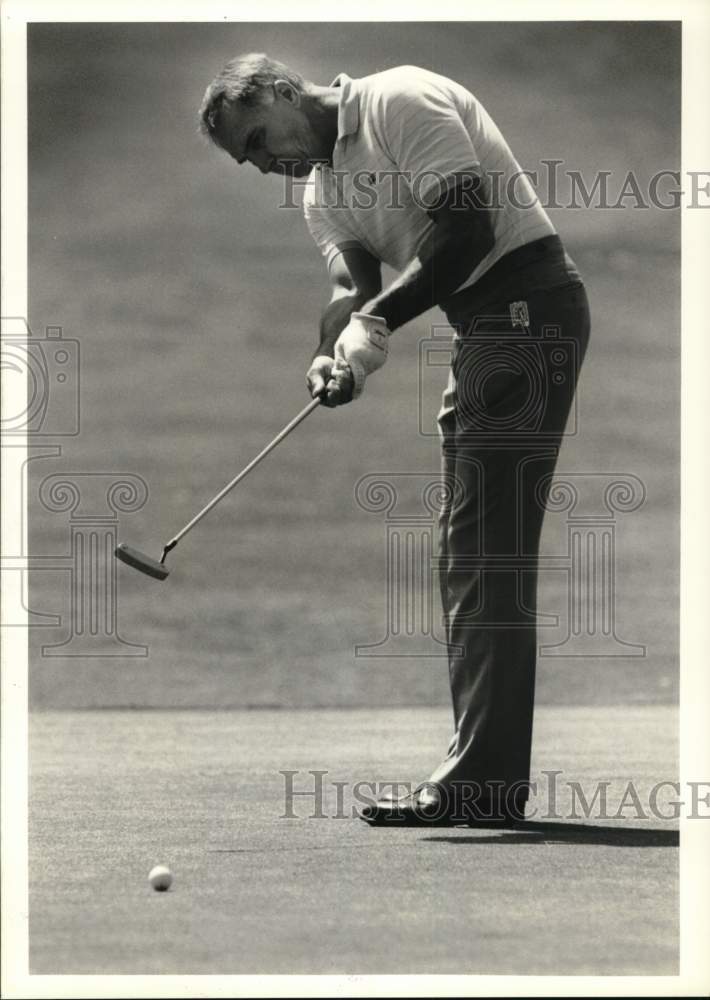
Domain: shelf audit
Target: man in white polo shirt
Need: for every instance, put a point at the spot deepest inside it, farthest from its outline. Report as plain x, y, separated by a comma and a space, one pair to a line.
407, 168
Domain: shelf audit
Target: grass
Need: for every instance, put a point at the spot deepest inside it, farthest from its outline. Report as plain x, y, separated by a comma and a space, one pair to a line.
195, 301
255, 892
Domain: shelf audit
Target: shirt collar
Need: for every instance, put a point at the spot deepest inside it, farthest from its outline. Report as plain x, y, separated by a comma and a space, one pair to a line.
349, 106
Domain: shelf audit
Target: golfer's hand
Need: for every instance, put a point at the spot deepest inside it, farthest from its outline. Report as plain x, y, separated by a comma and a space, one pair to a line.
332, 385
362, 347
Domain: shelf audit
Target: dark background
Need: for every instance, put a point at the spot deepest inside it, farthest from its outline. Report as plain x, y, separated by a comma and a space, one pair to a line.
195, 301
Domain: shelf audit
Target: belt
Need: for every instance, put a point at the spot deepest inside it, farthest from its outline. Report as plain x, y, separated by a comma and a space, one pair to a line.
540, 264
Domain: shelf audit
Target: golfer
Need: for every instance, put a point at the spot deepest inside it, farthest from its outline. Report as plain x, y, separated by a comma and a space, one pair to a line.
406, 168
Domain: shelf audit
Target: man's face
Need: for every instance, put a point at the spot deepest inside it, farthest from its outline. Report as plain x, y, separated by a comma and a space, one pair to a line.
276, 136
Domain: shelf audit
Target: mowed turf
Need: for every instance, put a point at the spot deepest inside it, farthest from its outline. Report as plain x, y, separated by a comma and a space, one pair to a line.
113, 793
195, 300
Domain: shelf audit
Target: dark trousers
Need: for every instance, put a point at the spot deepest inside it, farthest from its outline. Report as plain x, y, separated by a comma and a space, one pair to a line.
515, 369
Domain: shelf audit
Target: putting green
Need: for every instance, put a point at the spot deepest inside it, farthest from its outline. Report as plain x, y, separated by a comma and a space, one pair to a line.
255, 892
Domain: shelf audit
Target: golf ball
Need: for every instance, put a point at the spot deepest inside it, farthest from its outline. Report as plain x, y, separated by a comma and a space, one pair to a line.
161, 878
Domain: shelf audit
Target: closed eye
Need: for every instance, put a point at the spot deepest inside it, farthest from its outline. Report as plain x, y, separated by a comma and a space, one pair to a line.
255, 142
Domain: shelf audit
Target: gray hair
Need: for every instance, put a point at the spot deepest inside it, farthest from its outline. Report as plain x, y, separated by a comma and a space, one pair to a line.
243, 81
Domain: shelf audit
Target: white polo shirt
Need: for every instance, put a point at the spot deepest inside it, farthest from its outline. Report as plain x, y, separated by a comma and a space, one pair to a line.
403, 135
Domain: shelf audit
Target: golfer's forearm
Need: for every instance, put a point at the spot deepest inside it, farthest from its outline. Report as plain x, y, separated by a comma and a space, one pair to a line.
335, 318
440, 267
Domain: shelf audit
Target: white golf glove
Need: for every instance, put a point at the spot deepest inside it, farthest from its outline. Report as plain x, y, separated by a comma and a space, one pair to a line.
362, 347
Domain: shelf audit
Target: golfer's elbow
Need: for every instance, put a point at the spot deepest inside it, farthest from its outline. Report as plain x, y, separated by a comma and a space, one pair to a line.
475, 237
355, 276
485, 241
465, 237
351, 298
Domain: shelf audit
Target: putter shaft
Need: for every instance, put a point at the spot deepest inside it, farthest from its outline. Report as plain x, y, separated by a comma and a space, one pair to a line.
314, 403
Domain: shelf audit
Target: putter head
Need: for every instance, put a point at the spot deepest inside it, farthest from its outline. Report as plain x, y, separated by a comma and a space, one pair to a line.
136, 559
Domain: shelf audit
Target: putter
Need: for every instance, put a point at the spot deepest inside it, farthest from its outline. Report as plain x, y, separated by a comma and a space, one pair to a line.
158, 570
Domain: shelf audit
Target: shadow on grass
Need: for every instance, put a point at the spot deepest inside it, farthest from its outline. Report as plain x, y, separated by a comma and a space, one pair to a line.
570, 833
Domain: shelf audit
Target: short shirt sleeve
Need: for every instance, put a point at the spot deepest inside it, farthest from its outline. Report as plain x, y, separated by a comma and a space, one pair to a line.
329, 232
426, 137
